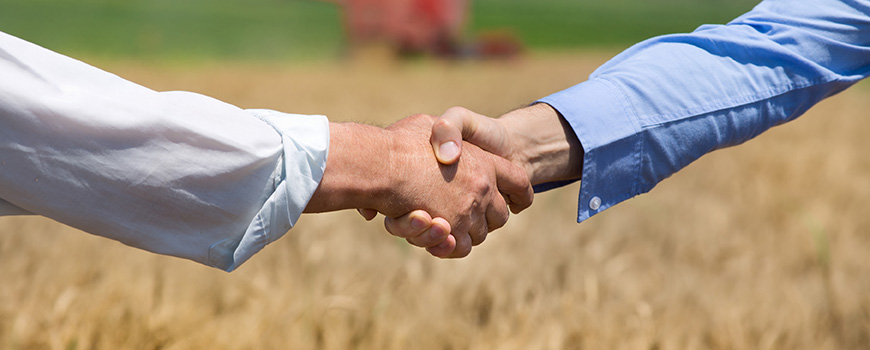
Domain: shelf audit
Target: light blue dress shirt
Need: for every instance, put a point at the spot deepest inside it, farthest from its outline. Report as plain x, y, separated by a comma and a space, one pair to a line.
665, 102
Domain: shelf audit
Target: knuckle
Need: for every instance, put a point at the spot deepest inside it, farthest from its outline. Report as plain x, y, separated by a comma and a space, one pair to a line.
456, 110
474, 206
466, 211
394, 229
463, 247
499, 223
389, 226
442, 123
478, 239
481, 185
461, 253
423, 117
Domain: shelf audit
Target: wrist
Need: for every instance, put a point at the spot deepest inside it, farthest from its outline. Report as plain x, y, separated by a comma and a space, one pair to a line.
356, 168
544, 144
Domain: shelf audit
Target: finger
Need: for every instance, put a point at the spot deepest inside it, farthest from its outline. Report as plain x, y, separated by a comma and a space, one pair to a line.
437, 232
463, 245
497, 213
513, 182
457, 124
479, 228
408, 225
444, 249
367, 214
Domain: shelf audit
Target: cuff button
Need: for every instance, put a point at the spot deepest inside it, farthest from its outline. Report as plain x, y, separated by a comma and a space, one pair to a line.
595, 203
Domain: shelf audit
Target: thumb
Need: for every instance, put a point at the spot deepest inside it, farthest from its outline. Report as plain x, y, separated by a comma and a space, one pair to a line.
457, 124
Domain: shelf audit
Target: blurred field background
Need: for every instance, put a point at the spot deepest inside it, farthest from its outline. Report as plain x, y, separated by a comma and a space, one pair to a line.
762, 246
196, 30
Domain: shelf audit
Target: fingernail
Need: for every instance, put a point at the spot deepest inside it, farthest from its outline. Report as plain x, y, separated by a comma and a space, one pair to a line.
418, 223
448, 150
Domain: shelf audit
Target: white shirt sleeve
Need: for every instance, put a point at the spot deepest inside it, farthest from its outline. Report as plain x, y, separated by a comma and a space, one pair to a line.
174, 173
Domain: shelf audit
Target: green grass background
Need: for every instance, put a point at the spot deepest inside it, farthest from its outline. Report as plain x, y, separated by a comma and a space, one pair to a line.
289, 29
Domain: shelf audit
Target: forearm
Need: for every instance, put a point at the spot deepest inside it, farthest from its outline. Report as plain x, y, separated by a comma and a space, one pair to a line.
357, 169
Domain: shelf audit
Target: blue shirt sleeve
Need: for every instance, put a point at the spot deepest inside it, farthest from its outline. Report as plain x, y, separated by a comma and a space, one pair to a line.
665, 102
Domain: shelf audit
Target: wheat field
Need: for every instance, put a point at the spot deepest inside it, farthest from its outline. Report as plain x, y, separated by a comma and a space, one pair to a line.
761, 246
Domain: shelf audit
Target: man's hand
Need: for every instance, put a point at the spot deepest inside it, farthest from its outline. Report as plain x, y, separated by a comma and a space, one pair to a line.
468, 196
458, 124
535, 138
394, 170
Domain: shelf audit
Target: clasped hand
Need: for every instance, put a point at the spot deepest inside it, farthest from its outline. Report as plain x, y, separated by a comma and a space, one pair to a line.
445, 183
524, 147
468, 196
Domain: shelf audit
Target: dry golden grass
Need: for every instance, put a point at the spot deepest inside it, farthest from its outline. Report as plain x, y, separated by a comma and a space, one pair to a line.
763, 246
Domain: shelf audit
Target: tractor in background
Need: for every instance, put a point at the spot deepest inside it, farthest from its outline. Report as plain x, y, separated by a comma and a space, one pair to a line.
411, 28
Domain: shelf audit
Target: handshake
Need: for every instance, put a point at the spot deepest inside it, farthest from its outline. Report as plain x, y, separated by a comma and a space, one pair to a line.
448, 200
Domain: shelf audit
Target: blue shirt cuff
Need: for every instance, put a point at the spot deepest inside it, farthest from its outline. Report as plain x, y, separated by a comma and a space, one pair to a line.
609, 133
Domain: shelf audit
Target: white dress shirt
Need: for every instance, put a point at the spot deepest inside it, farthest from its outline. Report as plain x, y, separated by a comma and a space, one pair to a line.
174, 173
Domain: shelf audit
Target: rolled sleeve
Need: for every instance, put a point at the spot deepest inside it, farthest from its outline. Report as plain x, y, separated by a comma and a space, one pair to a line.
305, 142
175, 173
